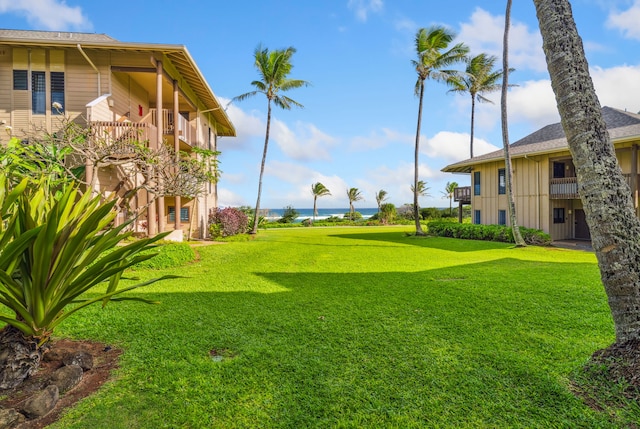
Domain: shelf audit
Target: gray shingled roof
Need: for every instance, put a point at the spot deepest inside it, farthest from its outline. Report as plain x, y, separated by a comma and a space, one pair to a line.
551, 138
31, 35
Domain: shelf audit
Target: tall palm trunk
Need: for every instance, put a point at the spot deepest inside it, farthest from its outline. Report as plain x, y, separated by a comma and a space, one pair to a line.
416, 214
315, 210
473, 114
256, 217
615, 229
511, 204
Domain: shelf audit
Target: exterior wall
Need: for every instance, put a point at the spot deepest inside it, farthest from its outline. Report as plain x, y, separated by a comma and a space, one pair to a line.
127, 97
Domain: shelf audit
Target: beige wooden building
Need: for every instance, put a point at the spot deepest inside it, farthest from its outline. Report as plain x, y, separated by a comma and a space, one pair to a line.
545, 184
94, 79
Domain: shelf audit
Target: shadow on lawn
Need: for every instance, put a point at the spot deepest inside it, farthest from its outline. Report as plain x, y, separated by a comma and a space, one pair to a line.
470, 337
441, 243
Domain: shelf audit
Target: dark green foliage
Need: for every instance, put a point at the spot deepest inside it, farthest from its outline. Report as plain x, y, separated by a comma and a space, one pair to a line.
289, 215
168, 255
353, 216
499, 233
431, 213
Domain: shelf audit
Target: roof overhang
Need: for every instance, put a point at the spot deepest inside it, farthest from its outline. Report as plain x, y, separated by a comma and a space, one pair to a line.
177, 54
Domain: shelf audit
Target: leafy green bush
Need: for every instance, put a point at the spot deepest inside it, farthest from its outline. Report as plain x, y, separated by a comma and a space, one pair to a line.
352, 216
499, 233
289, 215
169, 255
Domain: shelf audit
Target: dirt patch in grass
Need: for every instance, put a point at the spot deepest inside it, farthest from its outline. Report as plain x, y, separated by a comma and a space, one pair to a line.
105, 359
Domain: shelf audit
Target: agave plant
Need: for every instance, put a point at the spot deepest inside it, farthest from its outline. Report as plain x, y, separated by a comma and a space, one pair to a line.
53, 249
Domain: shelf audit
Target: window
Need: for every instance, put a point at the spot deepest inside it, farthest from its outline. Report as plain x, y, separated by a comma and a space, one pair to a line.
558, 170
184, 214
502, 217
476, 217
502, 185
476, 183
57, 93
558, 215
38, 92
20, 80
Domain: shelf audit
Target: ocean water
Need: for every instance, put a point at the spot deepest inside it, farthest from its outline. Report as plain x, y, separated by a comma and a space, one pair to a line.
274, 214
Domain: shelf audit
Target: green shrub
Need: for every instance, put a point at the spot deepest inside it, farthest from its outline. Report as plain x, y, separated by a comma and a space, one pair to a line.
353, 216
499, 233
169, 255
289, 215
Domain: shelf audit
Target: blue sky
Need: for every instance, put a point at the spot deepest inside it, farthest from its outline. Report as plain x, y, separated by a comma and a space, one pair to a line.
358, 125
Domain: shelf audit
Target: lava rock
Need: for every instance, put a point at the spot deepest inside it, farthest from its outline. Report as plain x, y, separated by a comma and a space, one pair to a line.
10, 418
80, 358
42, 402
67, 377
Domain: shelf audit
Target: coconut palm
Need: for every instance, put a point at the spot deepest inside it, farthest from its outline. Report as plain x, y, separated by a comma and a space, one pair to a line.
420, 190
511, 204
479, 78
434, 57
274, 68
354, 195
318, 190
381, 197
449, 189
613, 223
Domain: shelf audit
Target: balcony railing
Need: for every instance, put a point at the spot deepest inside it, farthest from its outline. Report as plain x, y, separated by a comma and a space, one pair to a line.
186, 131
124, 132
564, 188
462, 194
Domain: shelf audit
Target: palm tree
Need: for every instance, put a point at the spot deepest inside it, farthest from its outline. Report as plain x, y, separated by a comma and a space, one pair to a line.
422, 191
354, 195
449, 189
433, 57
479, 78
318, 190
614, 226
274, 68
511, 204
381, 197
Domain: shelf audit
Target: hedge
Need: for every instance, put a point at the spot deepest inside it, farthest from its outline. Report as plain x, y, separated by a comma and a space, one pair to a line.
500, 233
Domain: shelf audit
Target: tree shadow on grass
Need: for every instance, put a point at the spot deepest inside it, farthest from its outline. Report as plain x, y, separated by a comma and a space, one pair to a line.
486, 344
441, 243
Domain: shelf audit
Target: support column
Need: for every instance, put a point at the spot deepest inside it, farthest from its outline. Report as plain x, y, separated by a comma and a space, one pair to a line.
160, 139
176, 148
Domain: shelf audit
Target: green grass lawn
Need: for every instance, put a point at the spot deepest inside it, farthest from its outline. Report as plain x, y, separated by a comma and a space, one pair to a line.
354, 327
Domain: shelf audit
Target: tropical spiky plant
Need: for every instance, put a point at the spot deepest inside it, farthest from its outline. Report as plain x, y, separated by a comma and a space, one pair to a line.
54, 247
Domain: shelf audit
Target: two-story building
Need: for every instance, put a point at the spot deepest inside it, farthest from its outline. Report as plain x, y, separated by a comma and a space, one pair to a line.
544, 180
156, 90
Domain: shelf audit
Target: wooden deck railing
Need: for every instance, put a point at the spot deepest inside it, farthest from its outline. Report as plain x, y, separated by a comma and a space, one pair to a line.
564, 188
462, 194
186, 132
125, 132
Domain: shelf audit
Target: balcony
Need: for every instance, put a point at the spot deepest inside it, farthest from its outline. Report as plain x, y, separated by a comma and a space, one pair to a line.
462, 195
124, 133
564, 188
186, 131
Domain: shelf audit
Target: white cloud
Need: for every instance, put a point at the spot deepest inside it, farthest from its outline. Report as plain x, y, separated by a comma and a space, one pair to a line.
451, 147
378, 140
610, 91
248, 126
626, 21
363, 8
48, 14
227, 198
485, 32
306, 143
533, 102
